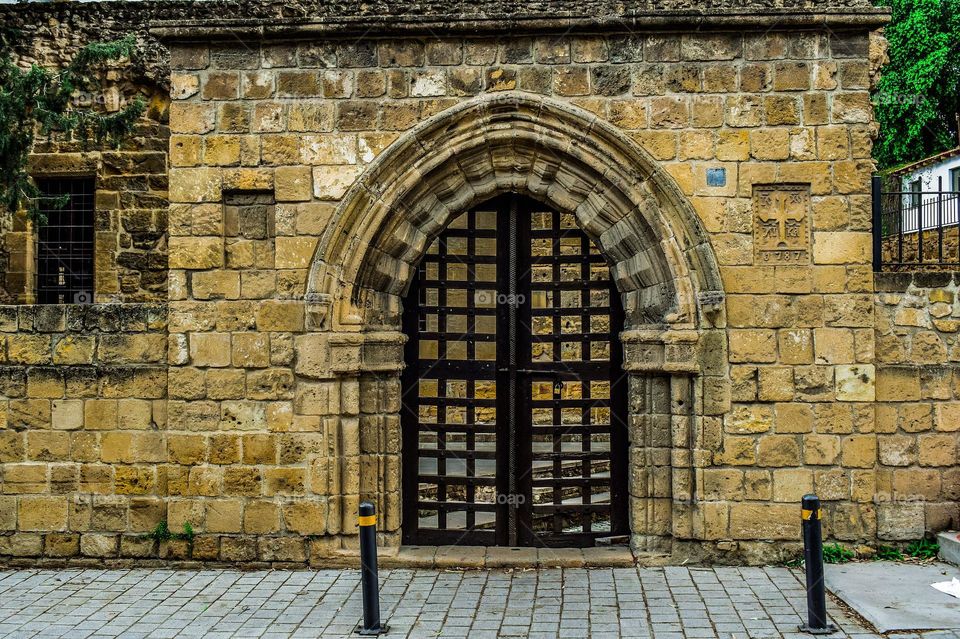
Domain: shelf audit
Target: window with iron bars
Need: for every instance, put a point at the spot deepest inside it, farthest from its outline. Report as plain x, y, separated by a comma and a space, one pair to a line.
65, 241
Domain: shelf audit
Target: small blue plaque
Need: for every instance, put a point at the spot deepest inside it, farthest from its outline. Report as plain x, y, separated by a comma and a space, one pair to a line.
716, 177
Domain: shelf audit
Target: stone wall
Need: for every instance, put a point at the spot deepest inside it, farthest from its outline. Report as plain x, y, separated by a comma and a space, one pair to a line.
938, 246
130, 244
131, 179
751, 348
918, 413
305, 118
83, 429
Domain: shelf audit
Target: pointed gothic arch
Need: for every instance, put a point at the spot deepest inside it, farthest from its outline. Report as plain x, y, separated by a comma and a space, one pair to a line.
660, 257
551, 151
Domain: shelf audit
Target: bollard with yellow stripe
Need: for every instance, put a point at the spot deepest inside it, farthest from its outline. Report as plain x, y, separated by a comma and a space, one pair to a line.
810, 515
369, 581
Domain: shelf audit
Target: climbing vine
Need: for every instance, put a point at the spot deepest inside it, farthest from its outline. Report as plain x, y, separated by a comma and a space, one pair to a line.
38, 101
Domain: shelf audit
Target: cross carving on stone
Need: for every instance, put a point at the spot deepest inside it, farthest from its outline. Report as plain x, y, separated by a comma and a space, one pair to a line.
781, 223
785, 221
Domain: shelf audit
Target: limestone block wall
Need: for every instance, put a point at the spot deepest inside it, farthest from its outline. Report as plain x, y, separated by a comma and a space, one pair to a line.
907, 249
918, 412
131, 179
130, 241
83, 429
303, 119
277, 414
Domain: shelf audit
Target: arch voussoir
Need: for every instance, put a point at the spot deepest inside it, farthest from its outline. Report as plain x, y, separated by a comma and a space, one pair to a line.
565, 157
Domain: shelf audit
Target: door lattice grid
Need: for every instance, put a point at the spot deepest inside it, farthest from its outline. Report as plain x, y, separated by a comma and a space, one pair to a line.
513, 430
455, 393
573, 384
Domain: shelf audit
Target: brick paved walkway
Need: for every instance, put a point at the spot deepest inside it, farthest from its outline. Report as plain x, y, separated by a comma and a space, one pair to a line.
665, 603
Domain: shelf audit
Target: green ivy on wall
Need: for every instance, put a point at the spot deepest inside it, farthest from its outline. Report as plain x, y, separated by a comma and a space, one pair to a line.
41, 101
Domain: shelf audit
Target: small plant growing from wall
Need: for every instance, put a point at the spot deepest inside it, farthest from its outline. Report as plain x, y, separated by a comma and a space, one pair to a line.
923, 549
888, 553
161, 533
40, 101
832, 554
837, 554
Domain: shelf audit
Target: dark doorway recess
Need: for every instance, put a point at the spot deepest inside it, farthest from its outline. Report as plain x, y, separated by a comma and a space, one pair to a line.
514, 411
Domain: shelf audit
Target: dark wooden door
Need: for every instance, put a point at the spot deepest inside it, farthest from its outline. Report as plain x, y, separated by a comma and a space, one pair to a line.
514, 406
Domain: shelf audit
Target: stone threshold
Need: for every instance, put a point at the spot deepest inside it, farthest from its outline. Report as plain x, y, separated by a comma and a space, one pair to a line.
478, 557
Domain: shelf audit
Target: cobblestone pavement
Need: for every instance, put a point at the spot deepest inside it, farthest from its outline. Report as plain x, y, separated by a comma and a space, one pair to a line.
665, 603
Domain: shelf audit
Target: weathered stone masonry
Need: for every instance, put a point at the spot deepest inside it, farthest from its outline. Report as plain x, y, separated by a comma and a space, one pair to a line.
131, 180
917, 410
308, 168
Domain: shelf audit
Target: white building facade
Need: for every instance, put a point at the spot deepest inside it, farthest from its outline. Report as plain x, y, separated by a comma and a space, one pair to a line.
929, 191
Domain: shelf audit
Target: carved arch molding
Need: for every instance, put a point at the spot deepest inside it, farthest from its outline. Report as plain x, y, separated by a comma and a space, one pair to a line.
660, 257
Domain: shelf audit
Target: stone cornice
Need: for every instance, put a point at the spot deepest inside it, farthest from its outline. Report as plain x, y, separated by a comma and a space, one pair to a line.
427, 25
205, 19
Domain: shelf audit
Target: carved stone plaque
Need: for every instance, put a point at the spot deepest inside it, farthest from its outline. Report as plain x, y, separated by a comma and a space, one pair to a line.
781, 224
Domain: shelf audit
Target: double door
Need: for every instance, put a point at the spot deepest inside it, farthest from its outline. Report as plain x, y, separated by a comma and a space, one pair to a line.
514, 397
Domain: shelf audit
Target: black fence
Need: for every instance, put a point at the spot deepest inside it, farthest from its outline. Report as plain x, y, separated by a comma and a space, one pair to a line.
915, 230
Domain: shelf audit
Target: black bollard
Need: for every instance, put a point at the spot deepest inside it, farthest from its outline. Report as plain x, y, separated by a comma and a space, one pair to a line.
369, 581
813, 565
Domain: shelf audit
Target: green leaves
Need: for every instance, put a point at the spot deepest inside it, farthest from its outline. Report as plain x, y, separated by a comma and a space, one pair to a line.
923, 549
38, 100
97, 52
162, 532
837, 554
888, 553
918, 96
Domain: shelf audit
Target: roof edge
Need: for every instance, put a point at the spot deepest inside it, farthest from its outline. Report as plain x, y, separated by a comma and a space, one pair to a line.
203, 29
924, 162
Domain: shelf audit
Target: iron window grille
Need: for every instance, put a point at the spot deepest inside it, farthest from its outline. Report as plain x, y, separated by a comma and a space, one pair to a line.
65, 241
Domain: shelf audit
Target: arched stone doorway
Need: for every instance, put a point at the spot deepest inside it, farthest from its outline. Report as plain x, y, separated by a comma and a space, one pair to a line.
661, 262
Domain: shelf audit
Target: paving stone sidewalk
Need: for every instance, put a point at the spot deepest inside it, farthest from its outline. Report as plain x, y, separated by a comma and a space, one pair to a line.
664, 603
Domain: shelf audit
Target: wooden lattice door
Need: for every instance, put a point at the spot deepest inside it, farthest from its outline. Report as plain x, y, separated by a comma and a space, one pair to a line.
514, 395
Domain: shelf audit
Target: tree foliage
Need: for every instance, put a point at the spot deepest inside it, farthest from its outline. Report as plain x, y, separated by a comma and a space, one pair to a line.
918, 96
42, 101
